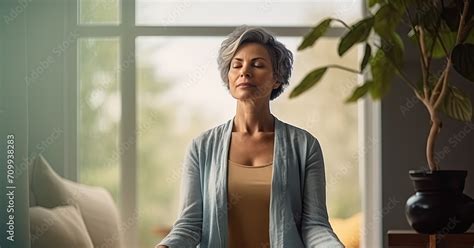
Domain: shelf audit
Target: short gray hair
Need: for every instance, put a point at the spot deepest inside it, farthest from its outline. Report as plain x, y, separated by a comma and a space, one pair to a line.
282, 58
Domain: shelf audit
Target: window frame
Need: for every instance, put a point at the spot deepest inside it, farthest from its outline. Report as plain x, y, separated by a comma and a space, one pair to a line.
126, 31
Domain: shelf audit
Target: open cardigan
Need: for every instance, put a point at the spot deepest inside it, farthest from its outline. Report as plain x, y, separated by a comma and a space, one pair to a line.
298, 215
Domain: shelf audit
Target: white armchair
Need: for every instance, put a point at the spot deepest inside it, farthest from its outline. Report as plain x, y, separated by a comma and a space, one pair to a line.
64, 213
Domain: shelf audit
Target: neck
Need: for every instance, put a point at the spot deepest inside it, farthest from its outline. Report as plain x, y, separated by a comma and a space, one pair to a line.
253, 120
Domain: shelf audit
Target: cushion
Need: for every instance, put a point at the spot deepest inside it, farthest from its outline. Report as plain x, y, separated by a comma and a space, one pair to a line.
97, 207
58, 227
348, 230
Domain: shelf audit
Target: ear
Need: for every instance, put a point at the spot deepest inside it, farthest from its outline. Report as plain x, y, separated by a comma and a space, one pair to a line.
276, 85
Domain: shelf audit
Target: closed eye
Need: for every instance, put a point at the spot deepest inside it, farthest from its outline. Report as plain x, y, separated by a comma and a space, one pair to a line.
254, 65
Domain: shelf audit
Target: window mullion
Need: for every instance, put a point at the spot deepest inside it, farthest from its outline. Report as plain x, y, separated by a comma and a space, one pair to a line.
223, 31
98, 31
128, 134
71, 96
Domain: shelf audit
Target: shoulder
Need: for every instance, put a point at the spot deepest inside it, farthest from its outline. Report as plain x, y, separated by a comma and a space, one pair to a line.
299, 135
303, 142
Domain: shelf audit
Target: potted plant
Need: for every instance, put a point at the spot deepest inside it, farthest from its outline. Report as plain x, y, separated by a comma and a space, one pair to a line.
444, 35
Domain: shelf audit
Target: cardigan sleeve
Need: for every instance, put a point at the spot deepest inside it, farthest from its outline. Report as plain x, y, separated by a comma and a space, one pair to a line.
186, 231
316, 229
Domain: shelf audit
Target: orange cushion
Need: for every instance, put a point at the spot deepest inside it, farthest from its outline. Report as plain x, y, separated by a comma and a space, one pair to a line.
348, 230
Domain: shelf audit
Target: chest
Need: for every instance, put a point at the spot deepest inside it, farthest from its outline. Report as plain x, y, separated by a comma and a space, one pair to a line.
252, 151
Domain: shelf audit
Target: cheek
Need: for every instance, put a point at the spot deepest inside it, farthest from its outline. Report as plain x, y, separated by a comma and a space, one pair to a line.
266, 74
269, 77
231, 75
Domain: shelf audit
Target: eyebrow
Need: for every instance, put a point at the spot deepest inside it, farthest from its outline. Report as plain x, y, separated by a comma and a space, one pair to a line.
239, 59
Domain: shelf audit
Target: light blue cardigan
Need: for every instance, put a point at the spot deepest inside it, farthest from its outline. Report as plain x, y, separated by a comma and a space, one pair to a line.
298, 215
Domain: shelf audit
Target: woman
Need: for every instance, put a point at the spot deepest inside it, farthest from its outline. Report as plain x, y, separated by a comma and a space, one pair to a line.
254, 181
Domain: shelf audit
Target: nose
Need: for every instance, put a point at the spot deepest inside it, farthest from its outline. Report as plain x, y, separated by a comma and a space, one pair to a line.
245, 71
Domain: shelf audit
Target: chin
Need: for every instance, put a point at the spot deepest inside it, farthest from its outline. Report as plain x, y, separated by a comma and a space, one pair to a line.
247, 97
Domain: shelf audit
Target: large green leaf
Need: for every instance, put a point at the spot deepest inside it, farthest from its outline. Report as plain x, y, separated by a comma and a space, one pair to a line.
309, 81
382, 73
394, 49
386, 21
457, 105
448, 39
316, 33
358, 33
462, 57
367, 56
359, 92
470, 36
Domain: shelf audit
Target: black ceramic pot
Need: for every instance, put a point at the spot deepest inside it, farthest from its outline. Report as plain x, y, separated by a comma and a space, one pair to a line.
439, 206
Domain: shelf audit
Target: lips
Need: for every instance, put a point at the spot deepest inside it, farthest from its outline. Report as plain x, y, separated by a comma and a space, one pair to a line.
245, 85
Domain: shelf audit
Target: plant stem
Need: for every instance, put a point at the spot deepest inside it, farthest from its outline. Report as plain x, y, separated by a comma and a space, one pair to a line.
438, 84
436, 91
344, 68
421, 40
439, 100
429, 91
435, 121
462, 22
442, 44
430, 144
459, 39
424, 60
342, 22
436, 101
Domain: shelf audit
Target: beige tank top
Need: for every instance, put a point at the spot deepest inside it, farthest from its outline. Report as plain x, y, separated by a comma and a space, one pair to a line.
248, 204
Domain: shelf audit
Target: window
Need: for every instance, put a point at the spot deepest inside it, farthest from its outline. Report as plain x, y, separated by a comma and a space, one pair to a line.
148, 84
287, 13
99, 112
